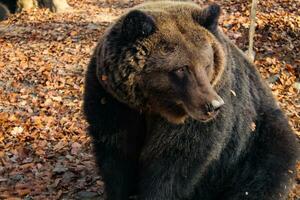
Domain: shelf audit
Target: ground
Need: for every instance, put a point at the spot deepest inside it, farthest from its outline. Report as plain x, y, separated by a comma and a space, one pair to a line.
44, 150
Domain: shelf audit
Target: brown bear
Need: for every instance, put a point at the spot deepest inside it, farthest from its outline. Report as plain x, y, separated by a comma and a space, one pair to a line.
176, 111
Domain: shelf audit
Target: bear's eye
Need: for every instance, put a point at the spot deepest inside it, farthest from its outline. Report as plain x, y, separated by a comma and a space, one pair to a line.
180, 72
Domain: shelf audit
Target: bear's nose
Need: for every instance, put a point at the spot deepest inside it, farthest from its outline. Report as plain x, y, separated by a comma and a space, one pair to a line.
215, 105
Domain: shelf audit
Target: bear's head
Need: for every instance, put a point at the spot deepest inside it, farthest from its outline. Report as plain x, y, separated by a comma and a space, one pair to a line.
164, 58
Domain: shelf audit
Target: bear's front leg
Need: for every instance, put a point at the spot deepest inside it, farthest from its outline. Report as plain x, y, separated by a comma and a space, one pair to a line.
117, 133
168, 178
157, 182
119, 172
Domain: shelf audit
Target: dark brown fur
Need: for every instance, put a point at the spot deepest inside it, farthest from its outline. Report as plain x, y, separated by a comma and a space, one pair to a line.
158, 68
177, 43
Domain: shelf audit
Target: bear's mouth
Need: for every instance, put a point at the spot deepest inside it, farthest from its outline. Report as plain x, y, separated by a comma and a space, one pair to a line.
202, 116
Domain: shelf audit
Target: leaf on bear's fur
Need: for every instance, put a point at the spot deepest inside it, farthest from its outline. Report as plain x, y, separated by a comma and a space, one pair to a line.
252, 126
233, 93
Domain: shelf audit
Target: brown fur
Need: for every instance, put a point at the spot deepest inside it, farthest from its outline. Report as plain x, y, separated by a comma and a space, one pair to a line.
160, 133
177, 33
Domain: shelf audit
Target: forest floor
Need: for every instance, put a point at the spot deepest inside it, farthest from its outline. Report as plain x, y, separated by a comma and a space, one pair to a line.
44, 150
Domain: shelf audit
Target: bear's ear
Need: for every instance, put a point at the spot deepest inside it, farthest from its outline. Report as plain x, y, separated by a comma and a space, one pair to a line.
208, 17
137, 24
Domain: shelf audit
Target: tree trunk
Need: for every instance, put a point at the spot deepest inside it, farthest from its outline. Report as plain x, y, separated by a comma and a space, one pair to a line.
4, 12
53, 5
26, 5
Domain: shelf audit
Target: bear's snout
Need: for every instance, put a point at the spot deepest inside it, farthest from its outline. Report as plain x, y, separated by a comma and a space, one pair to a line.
215, 105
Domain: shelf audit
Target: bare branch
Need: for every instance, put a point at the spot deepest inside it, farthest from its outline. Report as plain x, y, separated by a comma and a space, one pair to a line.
251, 53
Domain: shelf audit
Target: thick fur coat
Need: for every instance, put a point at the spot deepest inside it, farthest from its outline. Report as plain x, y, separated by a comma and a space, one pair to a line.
176, 111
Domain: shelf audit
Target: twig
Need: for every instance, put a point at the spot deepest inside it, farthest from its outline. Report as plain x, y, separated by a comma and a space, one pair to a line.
250, 52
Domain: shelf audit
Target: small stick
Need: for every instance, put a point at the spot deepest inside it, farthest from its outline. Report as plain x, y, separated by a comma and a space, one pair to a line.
250, 52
